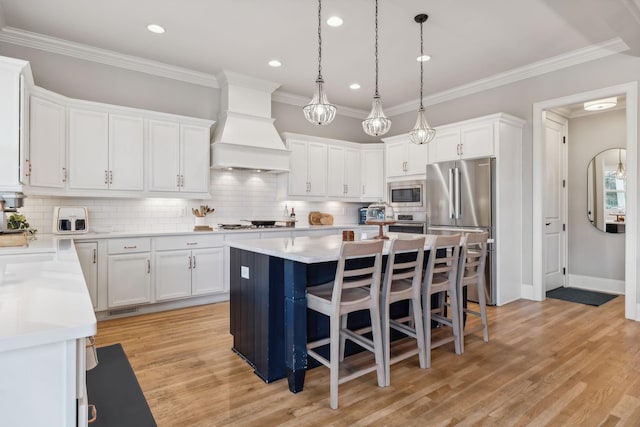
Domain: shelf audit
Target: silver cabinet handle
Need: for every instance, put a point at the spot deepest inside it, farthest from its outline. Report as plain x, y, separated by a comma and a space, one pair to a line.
190, 264
182, 181
95, 256
110, 177
130, 247
194, 261
178, 181
148, 266
64, 174
191, 243
28, 162
106, 176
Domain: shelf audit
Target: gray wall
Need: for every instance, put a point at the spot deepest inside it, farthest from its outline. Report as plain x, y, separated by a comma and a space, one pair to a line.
591, 251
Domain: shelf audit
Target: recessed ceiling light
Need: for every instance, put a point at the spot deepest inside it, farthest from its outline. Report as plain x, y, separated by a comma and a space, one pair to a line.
354, 86
275, 63
423, 58
155, 28
601, 104
334, 21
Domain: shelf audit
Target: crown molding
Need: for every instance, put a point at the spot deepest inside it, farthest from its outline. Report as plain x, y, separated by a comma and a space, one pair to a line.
634, 8
555, 63
32, 40
301, 101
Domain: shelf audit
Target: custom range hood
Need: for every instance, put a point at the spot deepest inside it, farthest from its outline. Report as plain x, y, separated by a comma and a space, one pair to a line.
245, 137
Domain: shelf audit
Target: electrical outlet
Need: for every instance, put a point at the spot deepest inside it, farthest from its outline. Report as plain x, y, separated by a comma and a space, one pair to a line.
244, 272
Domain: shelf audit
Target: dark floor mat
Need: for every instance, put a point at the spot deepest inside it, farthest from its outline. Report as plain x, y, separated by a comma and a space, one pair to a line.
113, 388
580, 296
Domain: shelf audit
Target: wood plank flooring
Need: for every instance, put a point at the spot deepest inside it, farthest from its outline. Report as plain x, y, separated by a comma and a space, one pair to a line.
551, 363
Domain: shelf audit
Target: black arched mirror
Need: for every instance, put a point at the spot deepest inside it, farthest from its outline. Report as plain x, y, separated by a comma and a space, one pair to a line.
606, 190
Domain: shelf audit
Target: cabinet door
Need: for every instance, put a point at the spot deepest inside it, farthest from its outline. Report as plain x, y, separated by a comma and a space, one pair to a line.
129, 279
47, 135
126, 148
194, 159
207, 275
335, 171
172, 274
317, 169
88, 149
298, 180
352, 172
88, 256
396, 158
372, 174
477, 141
417, 158
164, 156
445, 147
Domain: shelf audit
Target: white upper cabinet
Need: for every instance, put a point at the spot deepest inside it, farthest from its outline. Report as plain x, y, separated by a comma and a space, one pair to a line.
178, 157
47, 137
343, 174
404, 158
464, 140
445, 146
308, 168
372, 176
126, 152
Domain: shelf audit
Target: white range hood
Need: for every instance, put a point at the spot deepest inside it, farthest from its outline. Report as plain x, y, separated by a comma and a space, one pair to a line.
244, 137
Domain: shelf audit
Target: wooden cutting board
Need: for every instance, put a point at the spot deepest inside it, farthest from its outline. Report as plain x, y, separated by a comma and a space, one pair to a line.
13, 239
319, 218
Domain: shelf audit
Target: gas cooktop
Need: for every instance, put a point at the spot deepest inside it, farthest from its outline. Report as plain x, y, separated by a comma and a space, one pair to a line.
247, 226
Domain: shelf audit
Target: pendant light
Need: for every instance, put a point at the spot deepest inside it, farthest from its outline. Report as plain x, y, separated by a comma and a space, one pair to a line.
319, 111
421, 132
376, 123
620, 172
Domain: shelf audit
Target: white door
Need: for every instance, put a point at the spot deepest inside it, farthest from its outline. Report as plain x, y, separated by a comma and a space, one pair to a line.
47, 136
336, 173
172, 272
194, 159
555, 202
126, 151
164, 156
207, 275
88, 257
88, 149
317, 169
372, 172
129, 279
298, 182
396, 158
352, 172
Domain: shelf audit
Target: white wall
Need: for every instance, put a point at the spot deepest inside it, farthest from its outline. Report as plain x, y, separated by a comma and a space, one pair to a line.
592, 252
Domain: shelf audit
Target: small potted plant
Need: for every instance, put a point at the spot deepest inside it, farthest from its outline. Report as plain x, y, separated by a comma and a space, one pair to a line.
18, 222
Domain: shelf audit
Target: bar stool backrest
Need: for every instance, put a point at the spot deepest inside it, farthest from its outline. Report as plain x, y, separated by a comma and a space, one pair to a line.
442, 265
363, 273
473, 257
405, 269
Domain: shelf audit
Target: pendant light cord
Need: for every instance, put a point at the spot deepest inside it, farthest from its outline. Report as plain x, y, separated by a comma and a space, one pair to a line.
421, 65
319, 40
376, 94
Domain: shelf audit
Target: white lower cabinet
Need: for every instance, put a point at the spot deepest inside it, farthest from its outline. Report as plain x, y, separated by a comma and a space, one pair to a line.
207, 274
129, 272
172, 274
88, 256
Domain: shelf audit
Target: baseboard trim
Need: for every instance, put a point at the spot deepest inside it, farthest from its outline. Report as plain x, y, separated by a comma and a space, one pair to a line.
599, 284
163, 306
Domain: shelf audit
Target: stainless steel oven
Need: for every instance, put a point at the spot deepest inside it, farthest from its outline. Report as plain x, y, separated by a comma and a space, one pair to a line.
406, 194
409, 223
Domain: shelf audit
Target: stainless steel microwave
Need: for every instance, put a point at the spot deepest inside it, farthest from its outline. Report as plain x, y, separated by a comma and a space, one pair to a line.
404, 194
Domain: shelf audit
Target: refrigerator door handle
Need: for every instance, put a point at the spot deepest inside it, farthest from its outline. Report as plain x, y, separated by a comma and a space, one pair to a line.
452, 213
458, 195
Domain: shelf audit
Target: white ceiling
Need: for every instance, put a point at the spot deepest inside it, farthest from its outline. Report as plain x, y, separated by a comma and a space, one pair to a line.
469, 40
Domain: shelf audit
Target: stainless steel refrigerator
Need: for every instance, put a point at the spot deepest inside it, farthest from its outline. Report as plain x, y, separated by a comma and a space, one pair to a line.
459, 199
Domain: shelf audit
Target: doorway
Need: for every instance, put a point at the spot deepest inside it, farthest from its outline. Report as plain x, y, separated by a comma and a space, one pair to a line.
630, 91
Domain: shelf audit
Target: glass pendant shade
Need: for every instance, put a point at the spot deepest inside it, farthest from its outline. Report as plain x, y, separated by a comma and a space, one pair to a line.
376, 123
319, 111
422, 133
620, 172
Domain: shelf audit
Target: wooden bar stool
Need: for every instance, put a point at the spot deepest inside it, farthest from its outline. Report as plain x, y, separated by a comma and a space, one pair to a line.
403, 281
473, 257
440, 278
355, 287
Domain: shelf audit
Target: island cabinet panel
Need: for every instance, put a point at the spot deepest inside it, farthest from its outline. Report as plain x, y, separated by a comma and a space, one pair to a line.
257, 312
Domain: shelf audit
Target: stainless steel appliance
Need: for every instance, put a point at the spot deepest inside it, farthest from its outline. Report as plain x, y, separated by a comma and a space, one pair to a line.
459, 199
406, 194
9, 202
70, 220
409, 223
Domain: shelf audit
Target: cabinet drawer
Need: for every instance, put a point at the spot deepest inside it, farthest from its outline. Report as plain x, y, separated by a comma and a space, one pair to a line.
188, 242
129, 245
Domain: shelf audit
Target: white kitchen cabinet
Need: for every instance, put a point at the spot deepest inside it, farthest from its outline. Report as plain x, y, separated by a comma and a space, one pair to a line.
207, 274
178, 157
47, 143
88, 149
128, 272
465, 140
88, 256
372, 173
476, 140
404, 157
445, 146
308, 168
172, 274
343, 172
126, 152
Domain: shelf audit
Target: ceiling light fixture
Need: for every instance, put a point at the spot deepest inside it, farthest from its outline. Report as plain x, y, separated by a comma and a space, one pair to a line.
155, 28
319, 111
621, 173
421, 133
275, 63
334, 21
376, 123
354, 86
601, 104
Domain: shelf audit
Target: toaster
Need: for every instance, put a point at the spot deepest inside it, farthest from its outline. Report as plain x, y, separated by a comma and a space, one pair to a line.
70, 220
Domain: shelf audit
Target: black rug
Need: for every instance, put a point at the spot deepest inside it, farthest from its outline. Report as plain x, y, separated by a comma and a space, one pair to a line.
113, 388
580, 296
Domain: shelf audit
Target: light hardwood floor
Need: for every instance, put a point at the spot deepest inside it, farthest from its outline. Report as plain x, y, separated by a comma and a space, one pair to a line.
547, 363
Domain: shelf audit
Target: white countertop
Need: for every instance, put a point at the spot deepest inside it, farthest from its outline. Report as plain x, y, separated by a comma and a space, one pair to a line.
310, 249
43, 295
